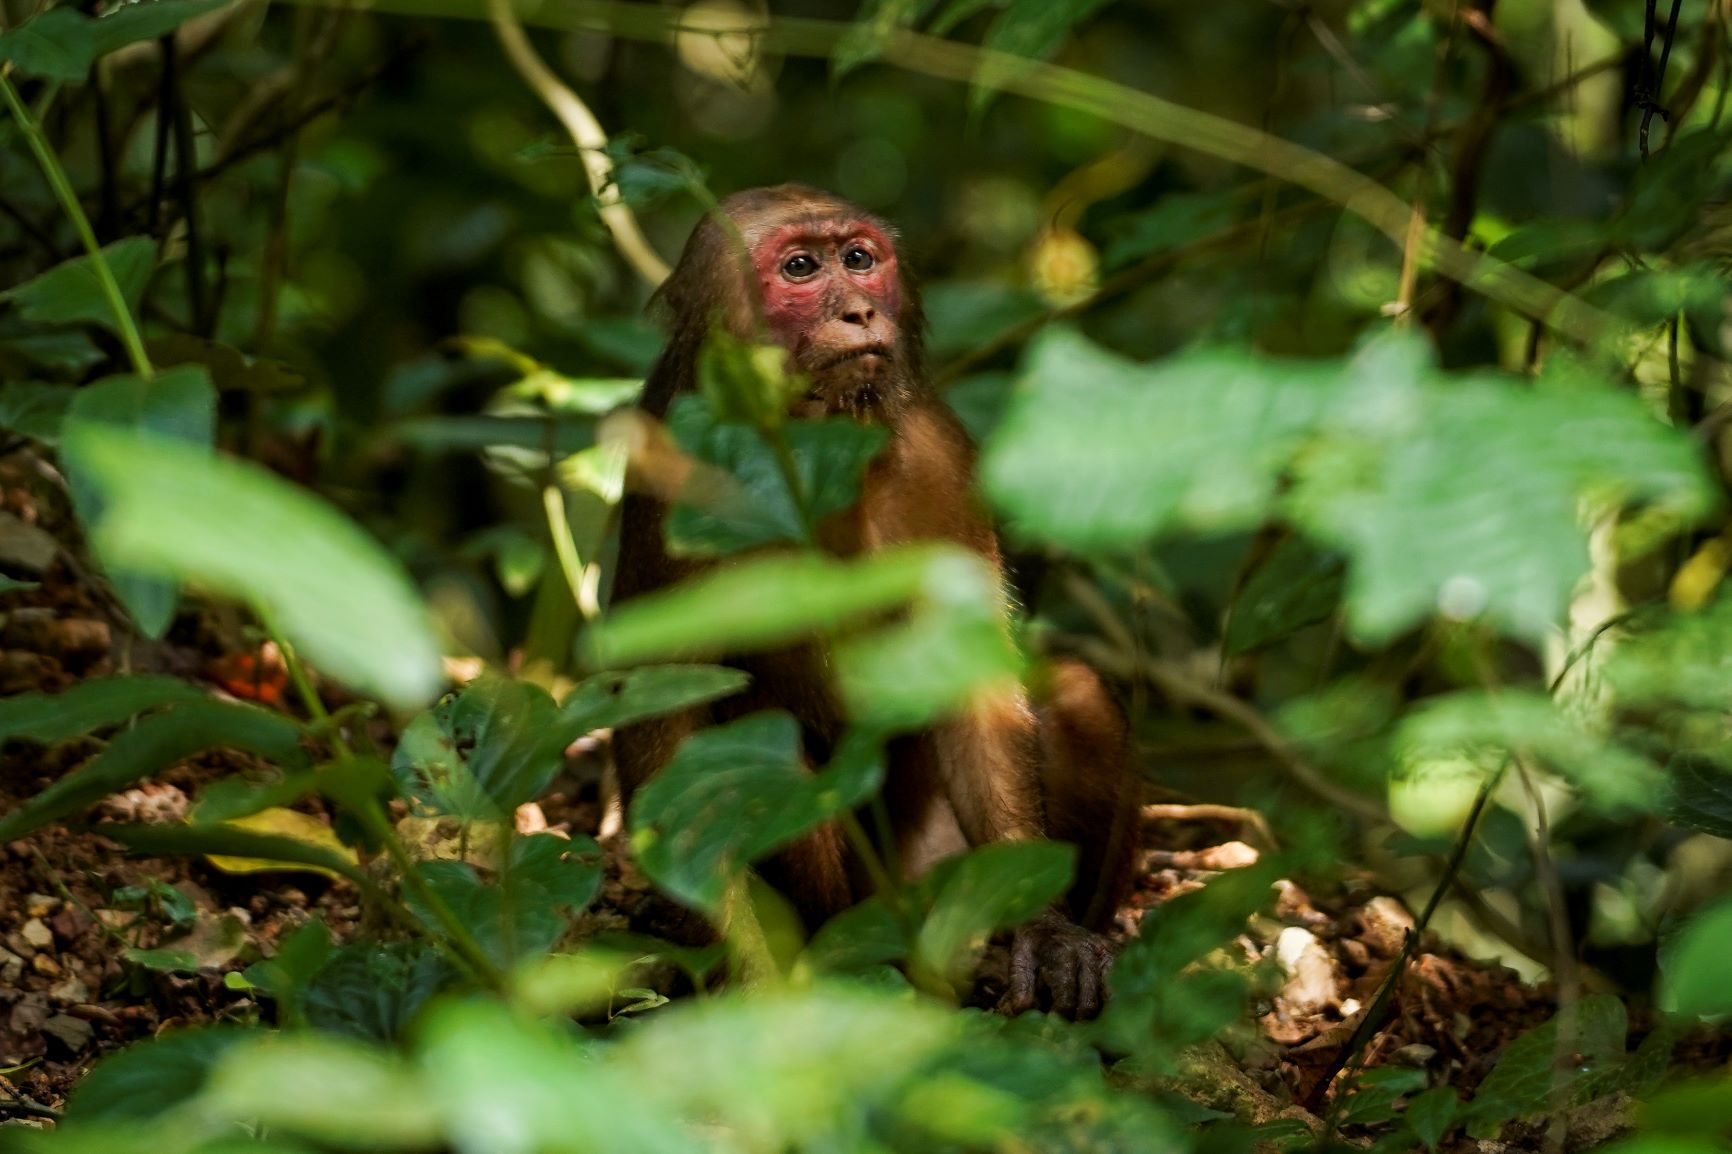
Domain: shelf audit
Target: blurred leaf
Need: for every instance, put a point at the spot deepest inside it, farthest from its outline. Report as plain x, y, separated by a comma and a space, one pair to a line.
327, 1089
1694, 975
614, 699
522, 916
765, 602
154, 744
1174, 221
1700, 797
177, 405
733, 794
88, 706
150, 1078
230, 369
991, 888
561, 434
212, 941
25, 350
1530, 723
1521, 1084
69, 292
967, 314
1700, 1105
829, 458
236, 797
869, 33
372, 991
858, 938
745, 383
1686, 661
276, 822
33, 409
330, 588
1374, 1093
54, 45
1298, 585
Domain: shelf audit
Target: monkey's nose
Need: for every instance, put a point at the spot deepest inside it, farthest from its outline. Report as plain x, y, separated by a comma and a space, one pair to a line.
861, 315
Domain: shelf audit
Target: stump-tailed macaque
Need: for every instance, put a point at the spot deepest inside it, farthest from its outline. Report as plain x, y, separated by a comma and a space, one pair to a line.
831, 289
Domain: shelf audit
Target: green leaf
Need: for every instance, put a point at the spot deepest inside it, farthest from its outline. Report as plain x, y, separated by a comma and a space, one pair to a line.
154, 744
374, 992
285, 977
145, 20
735, 793
611, 700
53, 45
33, 409
1700, 795
1531, 723
233, 797
858, 938
755, 508
335, 594
88, 706
521, 917
744, 383
1027, 28
1098, 453
1431, 1114
483, 753
178, 404
1521, 1084
330, 1090
69, 292
1298, 585
1694, 969
1175, 220
63, 352
991, 888
150, 1078
1686, 661
765, 602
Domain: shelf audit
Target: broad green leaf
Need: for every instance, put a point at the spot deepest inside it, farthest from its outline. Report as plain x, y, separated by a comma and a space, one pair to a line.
1685, 661
178, 404
522, 915
733, 794
1693, 981
287, 824
765, 602
486, 751
744, 383
561, 435
611, 700
151, 1078
870, 31
33, 409
62, 43
88, 706
1175, 220
1521, 1084
235, 797
1530, 723
64, 352
966, 314
1098, 453
755, 507
154, 744
69, 292
374, 992
1027, 28
951, 651
1298, 585
858, 938
990, 888
1431, 1114
330, 1090
332, 590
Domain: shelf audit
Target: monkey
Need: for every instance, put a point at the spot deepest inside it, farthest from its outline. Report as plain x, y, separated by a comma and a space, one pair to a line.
824, 279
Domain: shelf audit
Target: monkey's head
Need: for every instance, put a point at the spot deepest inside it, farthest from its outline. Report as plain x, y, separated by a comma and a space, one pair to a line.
822, 278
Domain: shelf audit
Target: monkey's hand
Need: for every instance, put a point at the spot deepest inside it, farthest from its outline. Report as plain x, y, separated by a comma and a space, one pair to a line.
1054, 954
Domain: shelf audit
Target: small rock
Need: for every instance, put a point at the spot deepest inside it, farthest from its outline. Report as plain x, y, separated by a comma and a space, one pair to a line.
11, 967
115, 919
292, 897
28, 1015
1413, 1054
69, 924
37, 934
73, 1033
45, 965
1311, 984
16, 943
70, 992
40, 905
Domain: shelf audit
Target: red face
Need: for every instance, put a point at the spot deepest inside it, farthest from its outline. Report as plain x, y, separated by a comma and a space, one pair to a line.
831, 294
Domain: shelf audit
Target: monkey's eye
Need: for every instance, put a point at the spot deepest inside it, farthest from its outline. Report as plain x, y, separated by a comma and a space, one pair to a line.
857, 259
799, 267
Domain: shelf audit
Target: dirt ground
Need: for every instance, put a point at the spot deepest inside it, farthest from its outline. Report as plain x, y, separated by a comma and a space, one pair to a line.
71, 901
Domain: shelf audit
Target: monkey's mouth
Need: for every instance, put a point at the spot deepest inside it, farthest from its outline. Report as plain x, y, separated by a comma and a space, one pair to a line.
871, 355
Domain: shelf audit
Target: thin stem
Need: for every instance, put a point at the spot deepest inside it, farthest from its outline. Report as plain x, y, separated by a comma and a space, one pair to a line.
577, 574
63, 192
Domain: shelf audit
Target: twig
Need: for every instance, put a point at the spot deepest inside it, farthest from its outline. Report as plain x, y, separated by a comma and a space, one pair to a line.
185, 162
1654, 79
63, 192
590, 138
1249, 819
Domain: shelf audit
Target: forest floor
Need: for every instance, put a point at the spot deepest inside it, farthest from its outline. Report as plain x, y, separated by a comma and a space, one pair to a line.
72, 903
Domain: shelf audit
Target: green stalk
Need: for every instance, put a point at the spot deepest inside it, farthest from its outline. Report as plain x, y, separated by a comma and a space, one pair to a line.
63, 192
